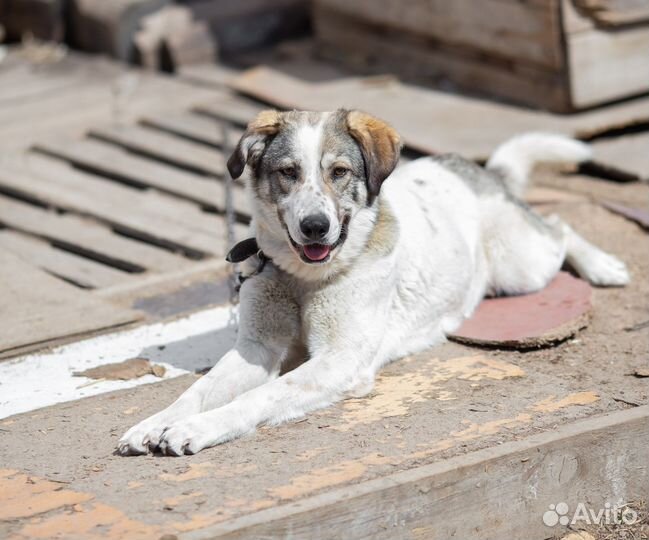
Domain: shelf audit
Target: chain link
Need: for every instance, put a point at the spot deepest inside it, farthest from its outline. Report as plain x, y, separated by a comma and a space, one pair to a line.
230, 221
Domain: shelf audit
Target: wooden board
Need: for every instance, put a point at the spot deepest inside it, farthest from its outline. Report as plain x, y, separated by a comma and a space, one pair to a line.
471, 127
37, 307
114, 162
605, 66
627, 155
489, 29
194, 127
46, 189
373, 49
81, 271
471, 492
164, 147
86, 237
90, 91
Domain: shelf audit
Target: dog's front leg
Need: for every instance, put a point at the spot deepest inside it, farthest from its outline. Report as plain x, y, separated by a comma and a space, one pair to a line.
269, 322
326, 378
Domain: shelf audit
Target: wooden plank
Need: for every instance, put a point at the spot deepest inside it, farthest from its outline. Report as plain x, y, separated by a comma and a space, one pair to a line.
37, 307
232, 109
81, 271
418, 113
106, 92
114, 162
627, 155
161, 210
194, 127
615, 13
471, 491
525, 31
608, 65
216, 75
164, 147
372, 49
86, 237
45, 187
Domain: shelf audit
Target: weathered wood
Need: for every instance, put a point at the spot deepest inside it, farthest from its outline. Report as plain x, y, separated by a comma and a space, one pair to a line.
104, 92
498, 492
608, 65
526, 31
216, 75
416, 112
373, 49
169, 39
165, 147
192, 44
627, 155
229, 108
37, 307
108, 27
48, 186
86, 237
114, 162
546, 54
198, 128
80, 271
161, 210
614, 12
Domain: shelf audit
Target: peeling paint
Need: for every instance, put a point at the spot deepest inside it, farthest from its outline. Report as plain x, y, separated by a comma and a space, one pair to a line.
394, 395
195, 470
97, 521
333, 475
552, 404
23, 496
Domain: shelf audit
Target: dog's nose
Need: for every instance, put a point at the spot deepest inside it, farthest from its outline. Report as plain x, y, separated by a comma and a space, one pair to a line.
315, 227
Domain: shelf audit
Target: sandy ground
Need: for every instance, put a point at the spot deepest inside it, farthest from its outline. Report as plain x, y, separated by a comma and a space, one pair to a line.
59, 474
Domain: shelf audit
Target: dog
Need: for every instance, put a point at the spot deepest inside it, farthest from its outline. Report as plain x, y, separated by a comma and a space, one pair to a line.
360, 262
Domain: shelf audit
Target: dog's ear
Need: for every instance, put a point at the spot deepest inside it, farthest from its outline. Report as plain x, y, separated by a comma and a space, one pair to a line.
380, 145
253, 141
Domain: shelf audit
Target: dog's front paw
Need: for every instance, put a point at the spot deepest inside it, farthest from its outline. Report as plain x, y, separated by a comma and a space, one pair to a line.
187, 436
606, 270
142, 437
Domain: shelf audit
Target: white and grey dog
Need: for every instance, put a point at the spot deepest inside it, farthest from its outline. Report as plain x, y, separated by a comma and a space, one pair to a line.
366, 264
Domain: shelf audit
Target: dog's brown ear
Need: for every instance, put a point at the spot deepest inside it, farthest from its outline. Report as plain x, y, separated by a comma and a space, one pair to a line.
253, 141
380, 145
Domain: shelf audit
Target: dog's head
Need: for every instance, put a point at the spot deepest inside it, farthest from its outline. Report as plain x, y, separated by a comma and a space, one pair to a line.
315, 178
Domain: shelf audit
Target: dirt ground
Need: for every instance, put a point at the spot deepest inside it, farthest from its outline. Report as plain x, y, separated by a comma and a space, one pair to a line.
59, 475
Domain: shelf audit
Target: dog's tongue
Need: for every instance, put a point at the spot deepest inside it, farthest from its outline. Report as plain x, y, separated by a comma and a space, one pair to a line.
316, 252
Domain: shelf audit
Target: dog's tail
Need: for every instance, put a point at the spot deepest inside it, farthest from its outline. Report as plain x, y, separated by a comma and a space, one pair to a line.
516, 158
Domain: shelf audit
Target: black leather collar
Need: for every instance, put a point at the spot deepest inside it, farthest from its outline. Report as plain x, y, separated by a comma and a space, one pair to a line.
244, 250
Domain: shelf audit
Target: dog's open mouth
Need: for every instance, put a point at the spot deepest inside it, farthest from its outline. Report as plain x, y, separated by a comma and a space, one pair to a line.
320, 253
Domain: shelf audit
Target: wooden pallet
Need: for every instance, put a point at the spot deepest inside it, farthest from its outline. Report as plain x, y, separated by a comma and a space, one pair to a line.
99, 201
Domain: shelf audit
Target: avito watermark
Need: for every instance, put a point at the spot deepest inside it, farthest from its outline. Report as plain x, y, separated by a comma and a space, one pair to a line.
612, 514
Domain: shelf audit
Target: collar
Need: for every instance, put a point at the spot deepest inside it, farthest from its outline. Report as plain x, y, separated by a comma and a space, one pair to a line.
244, 250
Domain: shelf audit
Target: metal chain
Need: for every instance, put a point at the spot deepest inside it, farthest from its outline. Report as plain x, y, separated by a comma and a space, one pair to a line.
230, 220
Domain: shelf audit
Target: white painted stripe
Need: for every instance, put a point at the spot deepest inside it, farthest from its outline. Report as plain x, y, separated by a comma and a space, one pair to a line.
182, 346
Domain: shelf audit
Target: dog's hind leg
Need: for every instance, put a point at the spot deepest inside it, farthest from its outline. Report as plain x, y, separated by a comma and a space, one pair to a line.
590, 262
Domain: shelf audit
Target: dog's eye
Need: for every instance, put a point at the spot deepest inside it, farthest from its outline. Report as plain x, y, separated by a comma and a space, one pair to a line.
339, 172
289, 172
